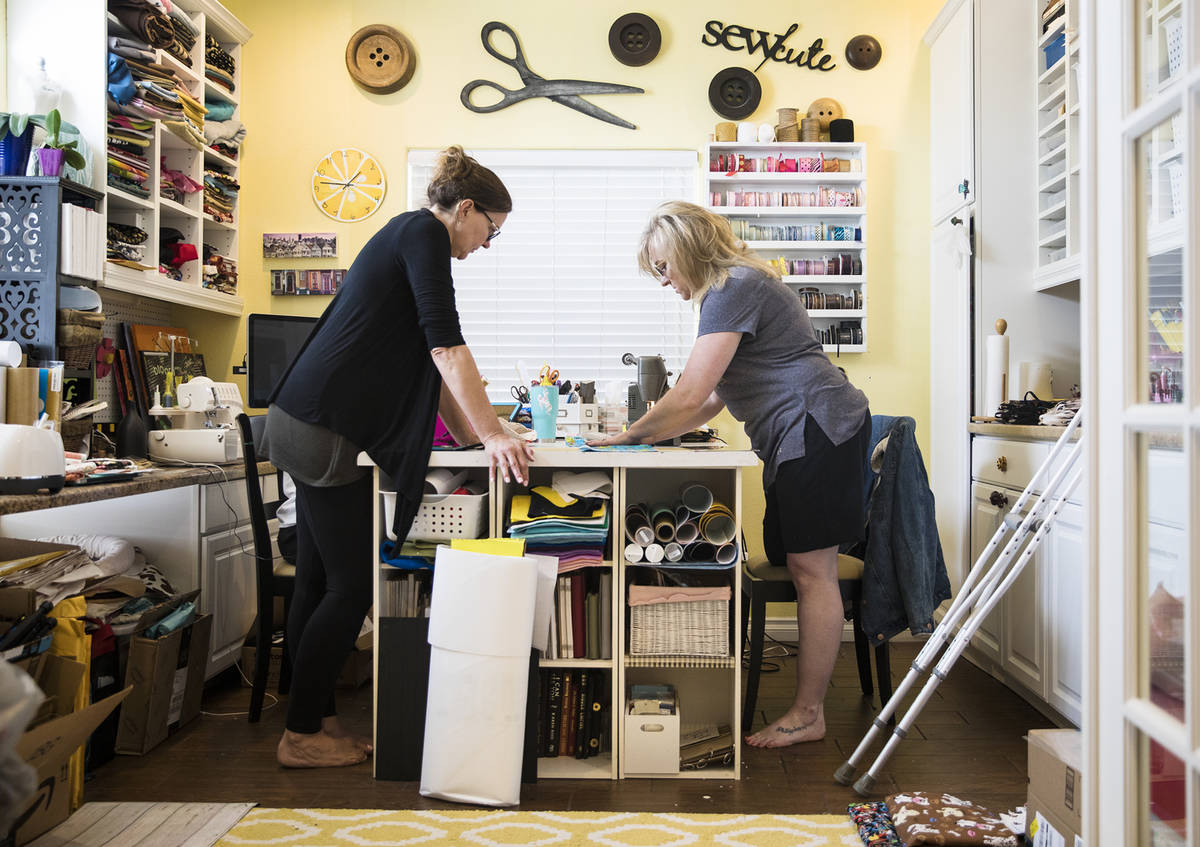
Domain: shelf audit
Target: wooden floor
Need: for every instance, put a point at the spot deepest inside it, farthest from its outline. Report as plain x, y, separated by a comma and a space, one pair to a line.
968, 741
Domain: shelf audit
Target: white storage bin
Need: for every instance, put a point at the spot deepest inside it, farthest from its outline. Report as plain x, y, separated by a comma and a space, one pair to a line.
441, 517
651, 744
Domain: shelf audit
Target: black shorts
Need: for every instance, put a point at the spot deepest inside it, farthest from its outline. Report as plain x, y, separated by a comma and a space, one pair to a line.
818, 500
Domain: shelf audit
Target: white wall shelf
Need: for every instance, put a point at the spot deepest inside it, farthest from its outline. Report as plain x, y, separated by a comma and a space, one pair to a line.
725, 182
1058, 139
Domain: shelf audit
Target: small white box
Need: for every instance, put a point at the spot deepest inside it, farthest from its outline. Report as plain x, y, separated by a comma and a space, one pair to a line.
578, 413
651, 744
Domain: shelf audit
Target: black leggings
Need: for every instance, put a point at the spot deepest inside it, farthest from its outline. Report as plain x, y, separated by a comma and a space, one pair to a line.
332, 594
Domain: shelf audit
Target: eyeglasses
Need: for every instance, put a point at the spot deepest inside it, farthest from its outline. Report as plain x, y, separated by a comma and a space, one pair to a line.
660, 268
495, 231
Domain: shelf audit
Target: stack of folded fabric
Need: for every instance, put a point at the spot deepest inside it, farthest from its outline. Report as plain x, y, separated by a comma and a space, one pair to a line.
225, 136
128, 141
218, 273
185, 35
563, 522
220, 194
126, 245
145, 20
175, 185
174, 252
218, 65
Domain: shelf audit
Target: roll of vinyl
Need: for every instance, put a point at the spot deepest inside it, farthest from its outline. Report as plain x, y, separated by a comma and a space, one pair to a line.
10, 354
701, 551
637, 525
995, 373
634, 552
747, 132
654, 553
726, 554
717, 525
696, 497
687, 532
663, 520
673, 551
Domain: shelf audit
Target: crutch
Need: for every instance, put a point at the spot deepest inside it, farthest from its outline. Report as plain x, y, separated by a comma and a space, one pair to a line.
975, 600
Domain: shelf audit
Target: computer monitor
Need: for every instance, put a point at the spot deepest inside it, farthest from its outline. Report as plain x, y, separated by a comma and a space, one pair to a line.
274, 341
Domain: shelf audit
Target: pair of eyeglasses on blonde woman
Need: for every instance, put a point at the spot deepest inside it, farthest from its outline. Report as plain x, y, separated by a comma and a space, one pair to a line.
660, 268
495, 230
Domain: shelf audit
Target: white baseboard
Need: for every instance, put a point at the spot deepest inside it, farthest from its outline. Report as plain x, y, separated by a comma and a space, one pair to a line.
784, 629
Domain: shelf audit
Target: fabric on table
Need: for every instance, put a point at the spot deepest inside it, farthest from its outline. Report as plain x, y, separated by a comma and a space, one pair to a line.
645, 595
875, 826
927, 818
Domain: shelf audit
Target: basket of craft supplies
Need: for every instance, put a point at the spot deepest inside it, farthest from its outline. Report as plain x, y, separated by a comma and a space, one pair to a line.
677, 621
78, 334
442, 517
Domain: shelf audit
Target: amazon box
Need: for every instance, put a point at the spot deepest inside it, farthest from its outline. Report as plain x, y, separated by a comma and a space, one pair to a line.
166, 675
54, 734
1052, 810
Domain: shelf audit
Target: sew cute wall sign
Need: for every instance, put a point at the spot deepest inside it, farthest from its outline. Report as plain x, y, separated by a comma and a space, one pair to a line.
773, 46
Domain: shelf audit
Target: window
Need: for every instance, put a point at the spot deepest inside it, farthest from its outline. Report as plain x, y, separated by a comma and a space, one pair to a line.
562, 286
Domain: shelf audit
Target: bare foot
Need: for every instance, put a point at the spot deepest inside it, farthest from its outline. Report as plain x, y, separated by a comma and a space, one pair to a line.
319, 750
795, 727
331, 726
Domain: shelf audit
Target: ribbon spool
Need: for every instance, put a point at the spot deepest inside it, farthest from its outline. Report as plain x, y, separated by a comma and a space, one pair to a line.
788, 128
726, 131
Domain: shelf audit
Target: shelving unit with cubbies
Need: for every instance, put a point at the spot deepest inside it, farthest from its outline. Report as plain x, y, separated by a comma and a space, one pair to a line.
745, 184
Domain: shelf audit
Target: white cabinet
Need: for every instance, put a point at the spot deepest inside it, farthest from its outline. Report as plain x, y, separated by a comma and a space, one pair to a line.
227, 592
803, 208
989, 505
1062, 552
951, 109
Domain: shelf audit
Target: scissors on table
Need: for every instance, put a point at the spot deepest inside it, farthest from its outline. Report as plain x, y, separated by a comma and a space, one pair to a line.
548, 376
521, 394
563, 91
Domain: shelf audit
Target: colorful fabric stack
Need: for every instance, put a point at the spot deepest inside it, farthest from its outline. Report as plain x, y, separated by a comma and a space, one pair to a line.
145, 20
572, 529
128, 141
218, 65
185, 35
220, 194
875, 826
175, 185
225, 136
127, 245
218, 273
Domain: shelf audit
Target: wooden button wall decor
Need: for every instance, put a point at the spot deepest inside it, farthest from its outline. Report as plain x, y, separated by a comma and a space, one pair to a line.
734, 93
863, 52
825, 109
380, 58
634, 39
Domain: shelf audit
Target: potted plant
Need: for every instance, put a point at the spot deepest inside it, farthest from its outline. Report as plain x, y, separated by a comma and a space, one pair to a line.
53, 151
16, 136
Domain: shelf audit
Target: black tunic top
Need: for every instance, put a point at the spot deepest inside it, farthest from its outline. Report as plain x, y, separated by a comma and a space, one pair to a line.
366, 372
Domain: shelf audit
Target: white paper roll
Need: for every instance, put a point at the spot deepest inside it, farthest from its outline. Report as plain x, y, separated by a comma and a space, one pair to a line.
633, 552
654, 553
995, 373
10, 354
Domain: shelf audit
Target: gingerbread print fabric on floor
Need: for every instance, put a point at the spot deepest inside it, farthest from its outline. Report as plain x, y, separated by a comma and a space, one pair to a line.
944, 819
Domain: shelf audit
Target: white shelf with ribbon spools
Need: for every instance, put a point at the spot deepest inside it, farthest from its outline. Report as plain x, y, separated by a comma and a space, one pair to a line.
802, 206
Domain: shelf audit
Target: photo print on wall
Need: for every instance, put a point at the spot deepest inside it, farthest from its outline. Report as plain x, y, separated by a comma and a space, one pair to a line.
299, 245
306, 281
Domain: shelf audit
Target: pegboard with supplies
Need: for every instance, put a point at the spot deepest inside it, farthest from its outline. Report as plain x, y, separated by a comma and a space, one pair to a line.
124, 309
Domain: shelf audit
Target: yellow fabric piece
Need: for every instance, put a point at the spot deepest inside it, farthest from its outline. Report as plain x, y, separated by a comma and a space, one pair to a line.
17, 565
441, 828
492, 546
520, 509
554, 496
71, 641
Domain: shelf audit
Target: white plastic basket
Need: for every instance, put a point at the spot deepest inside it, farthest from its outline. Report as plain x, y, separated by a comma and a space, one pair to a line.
441, 517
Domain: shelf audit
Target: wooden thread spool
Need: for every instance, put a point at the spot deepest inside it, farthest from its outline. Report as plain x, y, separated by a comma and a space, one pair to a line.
810, 129
726, 131
788, 129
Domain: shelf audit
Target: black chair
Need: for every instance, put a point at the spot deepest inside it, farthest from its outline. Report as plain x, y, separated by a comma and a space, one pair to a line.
764, 583
273, 577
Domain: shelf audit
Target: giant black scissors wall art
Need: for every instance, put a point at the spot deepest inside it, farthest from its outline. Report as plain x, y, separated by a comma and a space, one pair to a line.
564, 91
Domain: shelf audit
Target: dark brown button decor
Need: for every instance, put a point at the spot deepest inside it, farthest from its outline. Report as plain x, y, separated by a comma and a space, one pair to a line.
863, 52
380, 58
634, 39
734, 93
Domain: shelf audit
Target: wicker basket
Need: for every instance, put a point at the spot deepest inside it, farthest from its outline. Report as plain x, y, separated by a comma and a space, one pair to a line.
688, 628
76, 434
78, 334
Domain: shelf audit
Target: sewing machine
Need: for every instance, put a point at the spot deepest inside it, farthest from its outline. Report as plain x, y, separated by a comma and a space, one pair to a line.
203, 424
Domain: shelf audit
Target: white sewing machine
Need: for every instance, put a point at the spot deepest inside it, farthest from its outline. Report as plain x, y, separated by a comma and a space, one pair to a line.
203, 424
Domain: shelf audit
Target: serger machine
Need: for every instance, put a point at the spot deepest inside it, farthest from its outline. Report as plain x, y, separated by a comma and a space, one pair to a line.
203, 424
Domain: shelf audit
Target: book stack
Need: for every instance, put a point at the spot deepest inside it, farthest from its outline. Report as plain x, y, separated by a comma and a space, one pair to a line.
572, 713
581, 626
81, 242
406, 593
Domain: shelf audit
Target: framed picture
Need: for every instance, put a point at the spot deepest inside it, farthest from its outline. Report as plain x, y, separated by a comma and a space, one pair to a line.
156, 368
305, 281
299, 245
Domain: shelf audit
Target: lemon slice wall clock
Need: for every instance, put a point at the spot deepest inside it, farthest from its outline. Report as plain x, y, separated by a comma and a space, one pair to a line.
348, 185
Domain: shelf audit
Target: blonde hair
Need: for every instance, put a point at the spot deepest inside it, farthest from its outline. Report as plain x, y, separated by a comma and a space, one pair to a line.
698, 244
458, 177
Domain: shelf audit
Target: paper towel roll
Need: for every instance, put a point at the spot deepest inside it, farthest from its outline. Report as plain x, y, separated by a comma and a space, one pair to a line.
995, 373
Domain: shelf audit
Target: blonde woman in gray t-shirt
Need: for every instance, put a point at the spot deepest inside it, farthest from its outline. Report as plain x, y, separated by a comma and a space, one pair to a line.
756, 353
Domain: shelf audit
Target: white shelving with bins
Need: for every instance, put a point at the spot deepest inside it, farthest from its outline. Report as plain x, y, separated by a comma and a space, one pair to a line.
766, 211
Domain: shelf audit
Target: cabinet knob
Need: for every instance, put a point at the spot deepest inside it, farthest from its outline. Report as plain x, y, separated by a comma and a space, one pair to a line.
1002, 464
956, 221
999, 500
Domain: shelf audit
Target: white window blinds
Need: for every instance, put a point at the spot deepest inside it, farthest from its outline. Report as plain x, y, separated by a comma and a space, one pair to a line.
561, 284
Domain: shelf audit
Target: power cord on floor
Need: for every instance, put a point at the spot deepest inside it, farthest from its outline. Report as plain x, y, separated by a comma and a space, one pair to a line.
776, 649
274, 700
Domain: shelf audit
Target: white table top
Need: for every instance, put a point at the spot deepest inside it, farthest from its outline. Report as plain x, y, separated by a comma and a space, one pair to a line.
561, 456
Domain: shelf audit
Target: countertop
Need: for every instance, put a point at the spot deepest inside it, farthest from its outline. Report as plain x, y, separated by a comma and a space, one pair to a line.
159, 479
559, 455
1037, 433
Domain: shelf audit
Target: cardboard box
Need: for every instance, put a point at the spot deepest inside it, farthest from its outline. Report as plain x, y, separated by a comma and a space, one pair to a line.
167, 677
651, 744
55, 734
1055, 786
355, 672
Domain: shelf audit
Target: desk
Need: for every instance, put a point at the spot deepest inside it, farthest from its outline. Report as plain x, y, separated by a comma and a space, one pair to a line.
193, 524
709, 689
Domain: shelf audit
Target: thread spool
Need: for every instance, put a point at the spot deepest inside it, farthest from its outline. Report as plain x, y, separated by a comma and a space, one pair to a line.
810, 129
788, 127
726, 131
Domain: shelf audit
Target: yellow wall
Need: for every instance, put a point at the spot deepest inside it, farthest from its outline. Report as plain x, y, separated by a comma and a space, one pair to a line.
298, 102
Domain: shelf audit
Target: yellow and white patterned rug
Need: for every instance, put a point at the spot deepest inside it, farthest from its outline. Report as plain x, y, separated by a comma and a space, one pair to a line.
434, 828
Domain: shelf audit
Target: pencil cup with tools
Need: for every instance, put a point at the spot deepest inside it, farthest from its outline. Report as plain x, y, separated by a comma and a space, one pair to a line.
543, 403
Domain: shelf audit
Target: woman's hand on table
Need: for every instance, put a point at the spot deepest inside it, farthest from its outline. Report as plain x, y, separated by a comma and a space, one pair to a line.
509, 455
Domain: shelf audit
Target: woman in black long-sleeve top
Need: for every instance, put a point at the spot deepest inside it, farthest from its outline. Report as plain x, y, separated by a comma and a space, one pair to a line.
386, 357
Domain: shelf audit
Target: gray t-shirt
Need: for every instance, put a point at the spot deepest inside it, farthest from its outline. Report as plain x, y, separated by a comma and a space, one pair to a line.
779, 373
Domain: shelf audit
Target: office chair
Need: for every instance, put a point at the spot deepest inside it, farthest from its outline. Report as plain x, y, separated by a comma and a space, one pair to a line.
273, 578
764, 583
